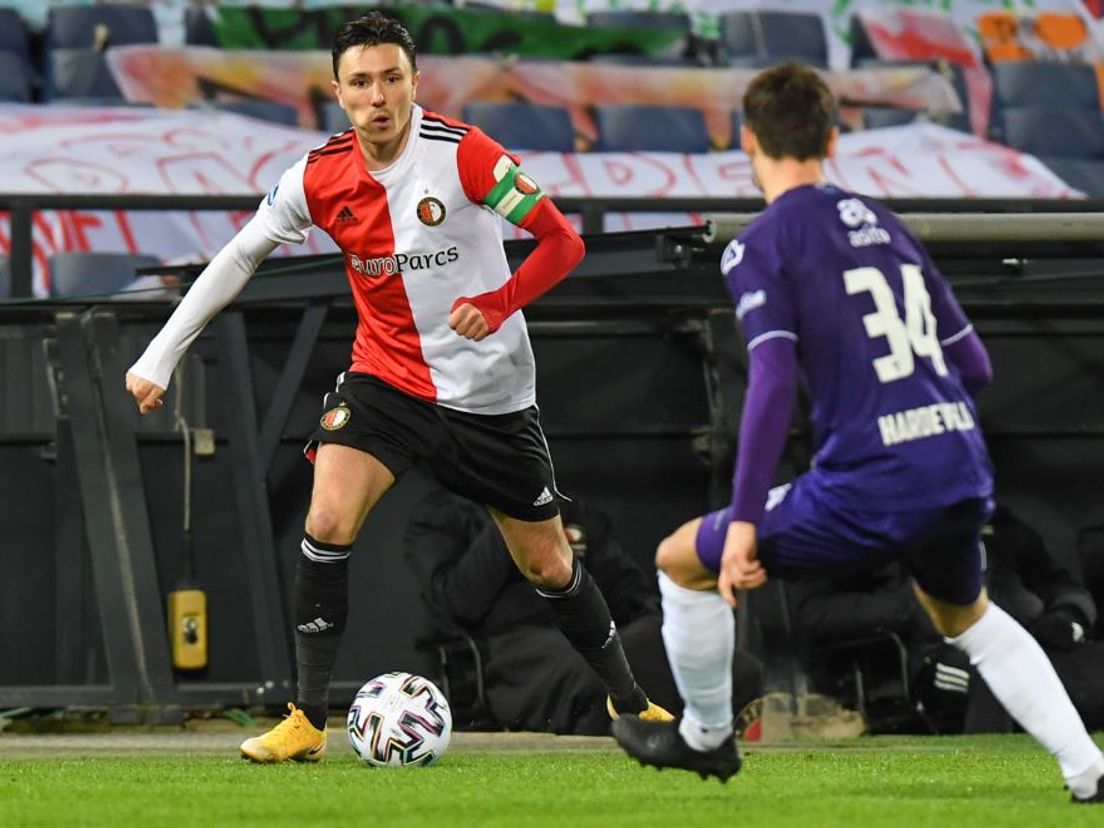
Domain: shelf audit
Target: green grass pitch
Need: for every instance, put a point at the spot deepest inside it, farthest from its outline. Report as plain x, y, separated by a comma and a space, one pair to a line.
977, 782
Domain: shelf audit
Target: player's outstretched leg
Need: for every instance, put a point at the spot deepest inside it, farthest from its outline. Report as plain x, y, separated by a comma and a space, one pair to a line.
294, 738
660, 745
1022, 678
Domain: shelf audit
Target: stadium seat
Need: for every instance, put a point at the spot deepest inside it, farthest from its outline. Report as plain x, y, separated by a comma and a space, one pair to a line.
93, 100
524, 126
640, 128
759, 38
76, 37
95, 274
999, 33
1086, 175
1031, 83
13, 34
79, 73
5, 277
332, 118
198, 28
271, 111
15, 78
639, 19
1054, 132
99, 27
878, 117
736, 121
623, 59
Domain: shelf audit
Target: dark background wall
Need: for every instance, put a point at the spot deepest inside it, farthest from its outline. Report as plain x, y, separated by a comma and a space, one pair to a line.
627, 417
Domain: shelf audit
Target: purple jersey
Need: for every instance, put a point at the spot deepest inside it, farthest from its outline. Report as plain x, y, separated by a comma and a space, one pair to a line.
893, 426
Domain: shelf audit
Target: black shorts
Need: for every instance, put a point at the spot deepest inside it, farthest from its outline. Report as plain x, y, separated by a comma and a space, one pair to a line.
499, 460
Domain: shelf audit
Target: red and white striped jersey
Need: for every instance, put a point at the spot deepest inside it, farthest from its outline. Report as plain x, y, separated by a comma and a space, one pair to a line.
415, 237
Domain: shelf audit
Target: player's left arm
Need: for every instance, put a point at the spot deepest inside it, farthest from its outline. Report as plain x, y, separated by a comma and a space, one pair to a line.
962, 347
491, 176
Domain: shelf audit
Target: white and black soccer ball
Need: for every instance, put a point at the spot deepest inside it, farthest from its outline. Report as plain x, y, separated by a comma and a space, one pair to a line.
399, 719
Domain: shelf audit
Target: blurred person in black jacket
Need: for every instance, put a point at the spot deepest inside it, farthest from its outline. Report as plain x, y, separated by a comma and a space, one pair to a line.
855, 607
1046, 595
1024, 578
533, 678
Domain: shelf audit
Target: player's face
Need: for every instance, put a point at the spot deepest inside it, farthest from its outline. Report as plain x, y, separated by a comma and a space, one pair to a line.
375, 86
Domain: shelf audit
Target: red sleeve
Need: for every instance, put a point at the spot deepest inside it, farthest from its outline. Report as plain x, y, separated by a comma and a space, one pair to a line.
558, 250
490, 176
475, 159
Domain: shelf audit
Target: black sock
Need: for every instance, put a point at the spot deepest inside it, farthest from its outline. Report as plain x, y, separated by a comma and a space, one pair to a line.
583, 616
321, 610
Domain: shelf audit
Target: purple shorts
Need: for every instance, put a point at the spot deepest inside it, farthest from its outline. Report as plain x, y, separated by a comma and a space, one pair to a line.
804, 535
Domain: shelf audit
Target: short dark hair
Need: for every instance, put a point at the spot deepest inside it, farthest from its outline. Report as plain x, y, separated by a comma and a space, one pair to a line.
791, 110
372, 30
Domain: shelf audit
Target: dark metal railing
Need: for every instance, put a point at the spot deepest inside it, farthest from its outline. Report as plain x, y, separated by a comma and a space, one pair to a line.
592, 210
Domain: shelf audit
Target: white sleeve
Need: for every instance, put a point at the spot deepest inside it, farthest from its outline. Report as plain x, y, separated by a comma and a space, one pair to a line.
283, 213
216, 287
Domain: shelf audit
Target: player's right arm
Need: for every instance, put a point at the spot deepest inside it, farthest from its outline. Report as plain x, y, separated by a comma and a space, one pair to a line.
765, 308
282, 217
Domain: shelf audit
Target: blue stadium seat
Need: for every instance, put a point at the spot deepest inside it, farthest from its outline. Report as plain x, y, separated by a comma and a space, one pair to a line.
93, 100
1054, 132
15, 78
13, 34
639, 19
95, 274
86, 27
639, 128
523, 126
1033, 83
761, 38
877, 117
623, 59
332, 118
198, 28
1084, 174
271, 111
736, 122
79, 73
76, 37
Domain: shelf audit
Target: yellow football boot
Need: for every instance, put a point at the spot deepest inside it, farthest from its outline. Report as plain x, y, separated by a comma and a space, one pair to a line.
294, 738
654, 713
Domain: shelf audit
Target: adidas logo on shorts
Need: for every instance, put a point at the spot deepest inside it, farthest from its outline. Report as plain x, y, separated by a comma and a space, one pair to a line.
316, 626
544, 498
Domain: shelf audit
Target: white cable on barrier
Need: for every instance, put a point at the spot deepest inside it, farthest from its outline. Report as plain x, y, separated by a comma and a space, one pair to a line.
958, 227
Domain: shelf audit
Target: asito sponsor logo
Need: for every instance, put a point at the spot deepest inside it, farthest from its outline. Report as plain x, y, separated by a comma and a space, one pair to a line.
402, 262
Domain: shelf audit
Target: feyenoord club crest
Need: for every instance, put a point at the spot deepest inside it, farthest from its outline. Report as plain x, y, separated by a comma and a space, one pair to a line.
431, 211
335, 418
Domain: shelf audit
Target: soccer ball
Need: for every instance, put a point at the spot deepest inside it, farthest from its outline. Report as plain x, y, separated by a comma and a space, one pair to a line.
399, 719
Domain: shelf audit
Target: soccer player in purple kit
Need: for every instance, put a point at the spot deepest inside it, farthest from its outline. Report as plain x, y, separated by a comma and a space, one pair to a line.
832, 285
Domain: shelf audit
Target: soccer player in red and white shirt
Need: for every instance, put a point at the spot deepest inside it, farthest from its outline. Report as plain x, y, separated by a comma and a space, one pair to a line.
442, 369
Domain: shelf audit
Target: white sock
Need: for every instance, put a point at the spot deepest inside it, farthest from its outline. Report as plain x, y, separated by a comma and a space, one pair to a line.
699, 632
1023, 680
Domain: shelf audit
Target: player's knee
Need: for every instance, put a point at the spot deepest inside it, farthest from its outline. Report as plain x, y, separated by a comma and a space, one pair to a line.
329, 526
952, 620
670, 558
546, 571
